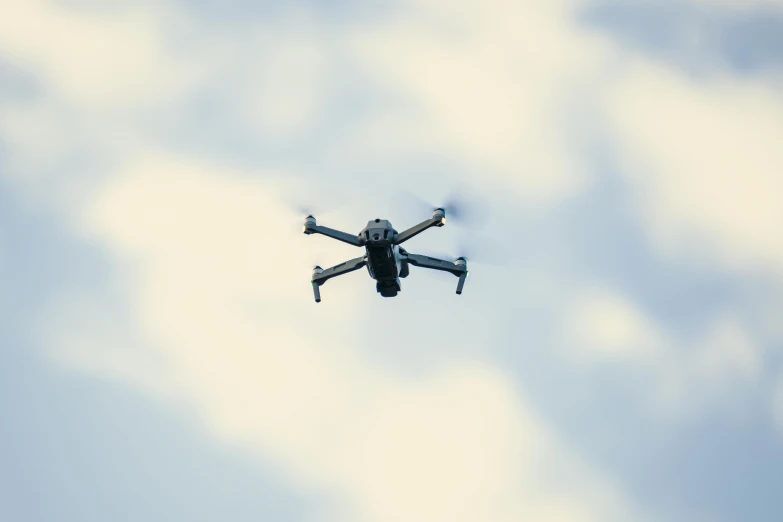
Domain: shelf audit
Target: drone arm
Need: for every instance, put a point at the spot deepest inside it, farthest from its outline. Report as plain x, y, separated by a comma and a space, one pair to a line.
338, 270
334, 234
435, 221
435, 264
459, 270
322, 276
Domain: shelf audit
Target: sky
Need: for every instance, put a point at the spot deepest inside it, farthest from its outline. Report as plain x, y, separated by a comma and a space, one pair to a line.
161, 356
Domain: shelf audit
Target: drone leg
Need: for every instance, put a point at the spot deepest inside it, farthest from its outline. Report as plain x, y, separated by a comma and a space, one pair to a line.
461, 282
320, 276
458, 268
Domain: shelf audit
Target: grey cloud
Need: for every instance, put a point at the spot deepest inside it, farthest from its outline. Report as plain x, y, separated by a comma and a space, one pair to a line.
80, 449
695, 36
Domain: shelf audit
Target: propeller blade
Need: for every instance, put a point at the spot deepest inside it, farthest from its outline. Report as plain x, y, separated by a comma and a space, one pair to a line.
462, 207
309, 202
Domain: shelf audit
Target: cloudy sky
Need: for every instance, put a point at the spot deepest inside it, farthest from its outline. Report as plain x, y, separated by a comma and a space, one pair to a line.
161, 357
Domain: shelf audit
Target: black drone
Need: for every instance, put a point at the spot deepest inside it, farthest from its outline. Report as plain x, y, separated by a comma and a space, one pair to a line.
385, 259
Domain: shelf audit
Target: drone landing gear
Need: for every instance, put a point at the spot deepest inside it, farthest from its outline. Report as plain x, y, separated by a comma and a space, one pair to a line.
461, 282
320, 276
316, 292
458, 268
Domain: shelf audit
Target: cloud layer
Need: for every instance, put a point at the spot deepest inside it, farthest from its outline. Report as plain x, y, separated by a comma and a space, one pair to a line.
215, 304
171, 143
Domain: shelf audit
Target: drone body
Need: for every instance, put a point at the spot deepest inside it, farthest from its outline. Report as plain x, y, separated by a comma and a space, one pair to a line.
386, 261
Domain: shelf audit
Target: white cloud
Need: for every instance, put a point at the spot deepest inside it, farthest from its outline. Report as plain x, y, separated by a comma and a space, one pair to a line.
217, 284
487, 86
729, 351
719, 365
498, 88
603, 322
706, 162
220, 300
275, 77
110, 80
95, 58
288, 90
489, 95
94, 74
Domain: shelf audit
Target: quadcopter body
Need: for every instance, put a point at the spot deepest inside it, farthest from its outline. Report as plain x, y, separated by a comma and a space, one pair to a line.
386, 261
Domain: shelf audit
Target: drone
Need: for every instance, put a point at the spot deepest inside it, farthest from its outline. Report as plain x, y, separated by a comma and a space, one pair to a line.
385, 259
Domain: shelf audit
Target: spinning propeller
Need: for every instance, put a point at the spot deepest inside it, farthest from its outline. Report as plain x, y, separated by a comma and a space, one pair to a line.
460, 208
